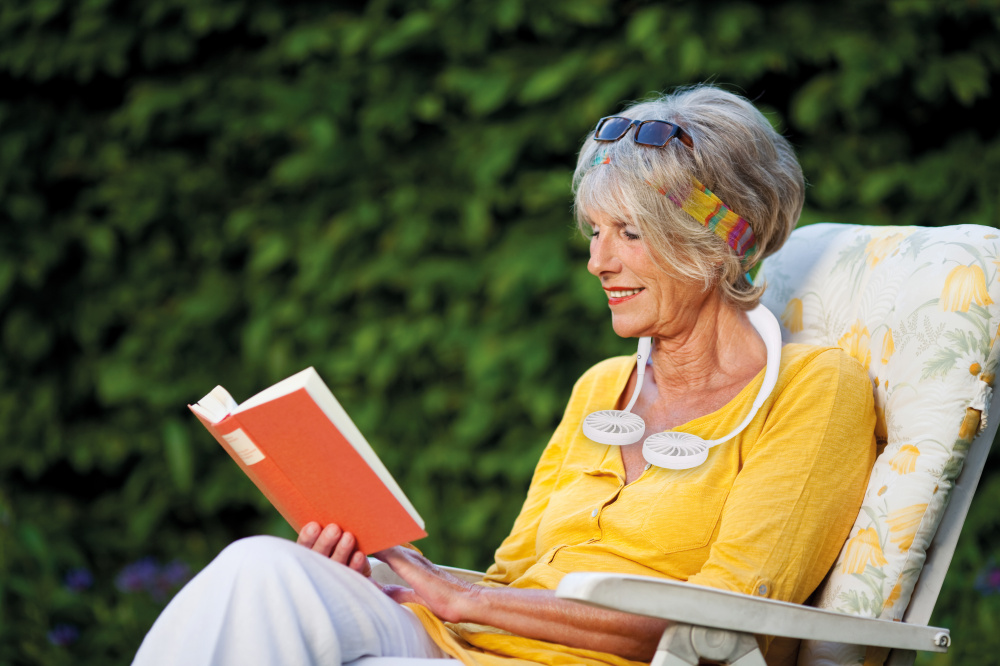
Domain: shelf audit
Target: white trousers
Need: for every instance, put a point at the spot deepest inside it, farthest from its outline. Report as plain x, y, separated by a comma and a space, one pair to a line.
266, 600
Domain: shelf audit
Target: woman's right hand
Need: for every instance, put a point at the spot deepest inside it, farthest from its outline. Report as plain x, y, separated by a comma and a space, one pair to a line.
333, 542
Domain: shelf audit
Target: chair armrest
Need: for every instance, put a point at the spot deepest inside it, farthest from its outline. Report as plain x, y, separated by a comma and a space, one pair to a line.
382, 574
468, 575
720, 609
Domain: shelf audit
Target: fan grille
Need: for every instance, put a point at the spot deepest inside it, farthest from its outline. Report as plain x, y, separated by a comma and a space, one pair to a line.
613, 426
675, 450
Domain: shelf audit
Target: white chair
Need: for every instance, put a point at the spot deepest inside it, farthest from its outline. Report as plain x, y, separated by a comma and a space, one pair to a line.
920, 308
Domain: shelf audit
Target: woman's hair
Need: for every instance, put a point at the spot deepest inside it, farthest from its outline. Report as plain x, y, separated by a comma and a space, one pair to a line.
736, 154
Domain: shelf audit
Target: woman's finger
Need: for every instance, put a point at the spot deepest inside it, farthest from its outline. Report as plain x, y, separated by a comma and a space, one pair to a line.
402, 595
308, 534
344, 549
340, 546
360, 563
328, 540
405, 559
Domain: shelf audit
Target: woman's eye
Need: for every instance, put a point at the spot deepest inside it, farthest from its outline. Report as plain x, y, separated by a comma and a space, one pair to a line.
627, 232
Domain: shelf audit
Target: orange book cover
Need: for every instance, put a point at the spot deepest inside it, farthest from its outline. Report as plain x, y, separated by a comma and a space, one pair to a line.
301, 449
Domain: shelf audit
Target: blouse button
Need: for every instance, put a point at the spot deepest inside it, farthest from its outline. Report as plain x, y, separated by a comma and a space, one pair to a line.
762, 589
593, 514
648, 465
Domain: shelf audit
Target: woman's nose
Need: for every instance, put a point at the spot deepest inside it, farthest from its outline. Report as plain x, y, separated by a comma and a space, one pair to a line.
602, 257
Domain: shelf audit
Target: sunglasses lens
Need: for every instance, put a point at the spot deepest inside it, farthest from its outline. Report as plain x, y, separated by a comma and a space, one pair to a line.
612, 129
655, 133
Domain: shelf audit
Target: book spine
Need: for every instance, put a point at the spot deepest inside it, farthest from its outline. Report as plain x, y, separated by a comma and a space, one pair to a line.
261, 470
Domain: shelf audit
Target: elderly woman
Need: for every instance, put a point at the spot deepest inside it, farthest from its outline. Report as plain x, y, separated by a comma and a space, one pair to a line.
718, 457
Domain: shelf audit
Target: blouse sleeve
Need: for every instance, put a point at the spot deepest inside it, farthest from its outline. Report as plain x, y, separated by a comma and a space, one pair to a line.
800, 487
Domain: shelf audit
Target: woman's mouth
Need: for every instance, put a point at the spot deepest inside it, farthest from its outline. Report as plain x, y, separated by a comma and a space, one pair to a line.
616, 296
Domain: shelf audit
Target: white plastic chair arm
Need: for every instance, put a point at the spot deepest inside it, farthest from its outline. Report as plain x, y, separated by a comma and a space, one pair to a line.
465, 574
382, 574
708, 607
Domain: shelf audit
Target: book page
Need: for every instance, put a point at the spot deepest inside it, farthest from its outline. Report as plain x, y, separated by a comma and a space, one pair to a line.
284, 387
215, 406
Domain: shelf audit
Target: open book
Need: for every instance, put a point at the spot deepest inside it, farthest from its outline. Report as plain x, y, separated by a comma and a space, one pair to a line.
301, 449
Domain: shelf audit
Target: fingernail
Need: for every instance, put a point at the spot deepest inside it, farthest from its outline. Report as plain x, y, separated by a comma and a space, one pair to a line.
312, 528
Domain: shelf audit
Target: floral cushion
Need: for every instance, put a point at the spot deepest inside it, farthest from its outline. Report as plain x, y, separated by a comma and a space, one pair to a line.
919, 307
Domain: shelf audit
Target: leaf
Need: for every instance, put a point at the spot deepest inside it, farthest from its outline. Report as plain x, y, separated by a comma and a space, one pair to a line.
405, 33
968, 77
177, 448
548, 81
813, 103
940, 363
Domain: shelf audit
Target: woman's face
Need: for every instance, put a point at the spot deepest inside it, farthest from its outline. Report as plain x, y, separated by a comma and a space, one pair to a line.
644, 300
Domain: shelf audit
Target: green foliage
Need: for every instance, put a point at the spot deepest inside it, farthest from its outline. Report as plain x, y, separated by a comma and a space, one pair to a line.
227, 191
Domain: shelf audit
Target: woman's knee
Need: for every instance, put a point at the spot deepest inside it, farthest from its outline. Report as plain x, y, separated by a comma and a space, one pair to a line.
265, 559
259, 555
255, 547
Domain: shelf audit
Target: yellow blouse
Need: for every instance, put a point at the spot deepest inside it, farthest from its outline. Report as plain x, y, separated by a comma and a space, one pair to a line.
765, 515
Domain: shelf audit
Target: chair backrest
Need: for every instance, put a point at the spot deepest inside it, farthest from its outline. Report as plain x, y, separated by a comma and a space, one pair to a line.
920, 309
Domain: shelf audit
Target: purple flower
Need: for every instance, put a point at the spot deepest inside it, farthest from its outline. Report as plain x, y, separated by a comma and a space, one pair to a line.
175, 573
146, 575
138, 576
988, 580
993, 578
78, 580
63, 634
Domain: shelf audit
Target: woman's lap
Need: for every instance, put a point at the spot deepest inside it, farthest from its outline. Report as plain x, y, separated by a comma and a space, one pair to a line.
266, 600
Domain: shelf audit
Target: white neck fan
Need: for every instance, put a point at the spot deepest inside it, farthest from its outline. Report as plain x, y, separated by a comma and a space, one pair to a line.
681, 450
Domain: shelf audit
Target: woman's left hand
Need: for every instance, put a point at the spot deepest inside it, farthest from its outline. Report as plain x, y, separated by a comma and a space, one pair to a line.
446, 596
333, 542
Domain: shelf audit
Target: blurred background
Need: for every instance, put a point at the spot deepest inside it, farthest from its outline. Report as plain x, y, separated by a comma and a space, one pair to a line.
202, 192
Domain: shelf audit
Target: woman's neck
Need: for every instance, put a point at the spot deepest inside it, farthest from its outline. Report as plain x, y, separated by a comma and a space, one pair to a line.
706, 349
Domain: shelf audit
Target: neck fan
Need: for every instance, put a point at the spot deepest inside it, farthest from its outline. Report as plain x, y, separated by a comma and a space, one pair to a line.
620, 426
681, 450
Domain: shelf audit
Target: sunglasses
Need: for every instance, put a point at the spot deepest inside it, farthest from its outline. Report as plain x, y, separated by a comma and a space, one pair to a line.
647, 132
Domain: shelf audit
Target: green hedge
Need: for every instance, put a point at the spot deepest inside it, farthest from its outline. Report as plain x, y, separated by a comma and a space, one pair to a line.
226, 191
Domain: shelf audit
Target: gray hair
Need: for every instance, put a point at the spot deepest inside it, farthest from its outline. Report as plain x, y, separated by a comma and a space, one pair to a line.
736, 154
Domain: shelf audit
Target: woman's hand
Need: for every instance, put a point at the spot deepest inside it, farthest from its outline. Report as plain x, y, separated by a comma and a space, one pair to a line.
532, 613
333, 542
446, 596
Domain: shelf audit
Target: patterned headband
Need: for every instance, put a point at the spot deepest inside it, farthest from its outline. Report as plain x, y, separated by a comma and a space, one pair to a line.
709, 210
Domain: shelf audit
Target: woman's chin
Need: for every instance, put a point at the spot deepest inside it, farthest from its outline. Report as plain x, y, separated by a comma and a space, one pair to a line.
628, 329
